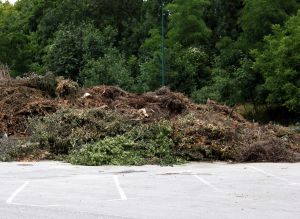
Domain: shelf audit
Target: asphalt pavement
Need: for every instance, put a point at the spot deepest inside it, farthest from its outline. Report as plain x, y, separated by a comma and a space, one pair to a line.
194, 190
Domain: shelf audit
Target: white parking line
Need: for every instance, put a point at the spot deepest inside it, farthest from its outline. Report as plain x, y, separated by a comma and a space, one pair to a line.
207, 183
31, 205
11, 198
274, 176
121, 192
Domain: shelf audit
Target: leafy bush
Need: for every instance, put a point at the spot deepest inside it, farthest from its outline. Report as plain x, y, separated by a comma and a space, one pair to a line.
111, 69
145, 144
74, 45
201, 96
279, 64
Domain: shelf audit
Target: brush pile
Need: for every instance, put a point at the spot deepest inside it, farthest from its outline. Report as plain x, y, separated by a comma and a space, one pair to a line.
199, 132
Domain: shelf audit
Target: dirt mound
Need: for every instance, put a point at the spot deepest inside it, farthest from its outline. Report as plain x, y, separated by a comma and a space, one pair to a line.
201, 132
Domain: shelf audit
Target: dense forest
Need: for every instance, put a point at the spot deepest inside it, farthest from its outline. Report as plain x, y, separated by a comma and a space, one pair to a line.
238, 52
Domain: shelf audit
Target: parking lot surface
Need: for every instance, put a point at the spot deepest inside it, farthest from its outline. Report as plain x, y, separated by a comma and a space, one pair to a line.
194, 190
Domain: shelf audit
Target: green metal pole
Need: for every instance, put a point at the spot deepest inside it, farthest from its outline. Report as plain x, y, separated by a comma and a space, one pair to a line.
162, 46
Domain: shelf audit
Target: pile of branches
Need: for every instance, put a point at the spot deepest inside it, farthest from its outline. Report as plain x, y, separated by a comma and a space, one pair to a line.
200, 132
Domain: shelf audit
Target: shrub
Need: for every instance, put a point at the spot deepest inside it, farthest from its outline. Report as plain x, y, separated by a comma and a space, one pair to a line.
201, 96
111, 69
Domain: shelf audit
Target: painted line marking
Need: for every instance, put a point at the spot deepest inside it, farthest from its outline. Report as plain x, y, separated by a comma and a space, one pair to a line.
207, 183
272, 175
113, 200
121, 192
31, 205
295, 184
13, 196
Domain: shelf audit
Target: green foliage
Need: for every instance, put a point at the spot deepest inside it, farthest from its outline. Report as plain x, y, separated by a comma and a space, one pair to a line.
186, 70
279, 63
205, 93
238, 86
87, 54
186, 25
111, 69
221, 16
258, 16
14, 149
68, 129
95, 42
145, 144
100, 137
64, 55
150, 77
234, 79
73, 46
14, 49
208, 45
109, 151
189, 69
186, 59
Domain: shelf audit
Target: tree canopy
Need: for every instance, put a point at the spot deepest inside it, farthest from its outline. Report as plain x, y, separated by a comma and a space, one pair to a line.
232, 51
